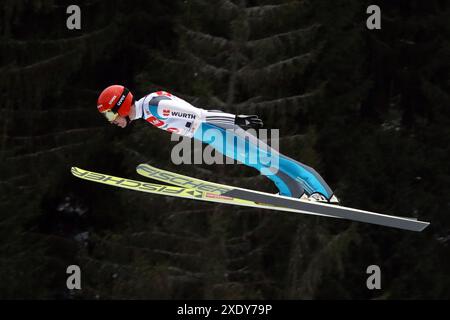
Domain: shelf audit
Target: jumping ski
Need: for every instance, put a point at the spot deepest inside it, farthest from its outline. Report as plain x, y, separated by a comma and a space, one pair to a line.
197, 189
172, 191
301, 206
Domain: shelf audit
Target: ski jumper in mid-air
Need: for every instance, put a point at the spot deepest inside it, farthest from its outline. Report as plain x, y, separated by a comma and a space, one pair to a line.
168, 112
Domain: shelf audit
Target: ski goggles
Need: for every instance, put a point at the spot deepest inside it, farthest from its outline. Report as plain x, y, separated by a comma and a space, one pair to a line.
110, 115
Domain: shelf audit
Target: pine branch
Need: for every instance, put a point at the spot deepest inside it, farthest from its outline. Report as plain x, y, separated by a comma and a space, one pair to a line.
167, 62
212, 42
187, 273
269, 10
218, 73
174, 214
280, 66
282, 44
251, 233
297, 101
216, 101
14, 179
43, 64
62, 44
227, 5
151, 235
284, 37
178, 255
53, 134
43, 152
277, 73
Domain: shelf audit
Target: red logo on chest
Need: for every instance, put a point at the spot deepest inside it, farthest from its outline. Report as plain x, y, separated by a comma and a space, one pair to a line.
155, 121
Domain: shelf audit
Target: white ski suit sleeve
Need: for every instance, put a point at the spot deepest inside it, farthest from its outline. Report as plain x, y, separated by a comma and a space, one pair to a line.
168, 112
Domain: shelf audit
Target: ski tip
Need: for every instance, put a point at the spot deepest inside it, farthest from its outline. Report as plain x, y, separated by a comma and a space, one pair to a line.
77, 172
74, 170
141, 166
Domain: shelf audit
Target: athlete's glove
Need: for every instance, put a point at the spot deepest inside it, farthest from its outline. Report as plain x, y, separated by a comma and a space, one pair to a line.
247, 122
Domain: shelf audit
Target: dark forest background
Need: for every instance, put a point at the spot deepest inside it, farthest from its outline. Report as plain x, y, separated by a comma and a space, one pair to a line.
369, 109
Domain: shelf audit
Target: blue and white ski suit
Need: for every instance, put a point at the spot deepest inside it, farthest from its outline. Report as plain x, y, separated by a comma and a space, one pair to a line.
175, 115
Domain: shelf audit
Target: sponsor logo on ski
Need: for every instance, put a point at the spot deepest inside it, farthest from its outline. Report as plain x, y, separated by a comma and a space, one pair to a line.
185, 181
218, 196
126, 183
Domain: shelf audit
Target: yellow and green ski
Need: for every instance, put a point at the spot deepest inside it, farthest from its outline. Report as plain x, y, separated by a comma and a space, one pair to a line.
167, 190
197, 189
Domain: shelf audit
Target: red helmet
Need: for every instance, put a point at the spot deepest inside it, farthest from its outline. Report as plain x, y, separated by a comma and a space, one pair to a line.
114, 101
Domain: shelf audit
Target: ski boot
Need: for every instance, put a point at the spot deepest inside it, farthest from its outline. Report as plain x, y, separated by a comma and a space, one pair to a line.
320, 198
